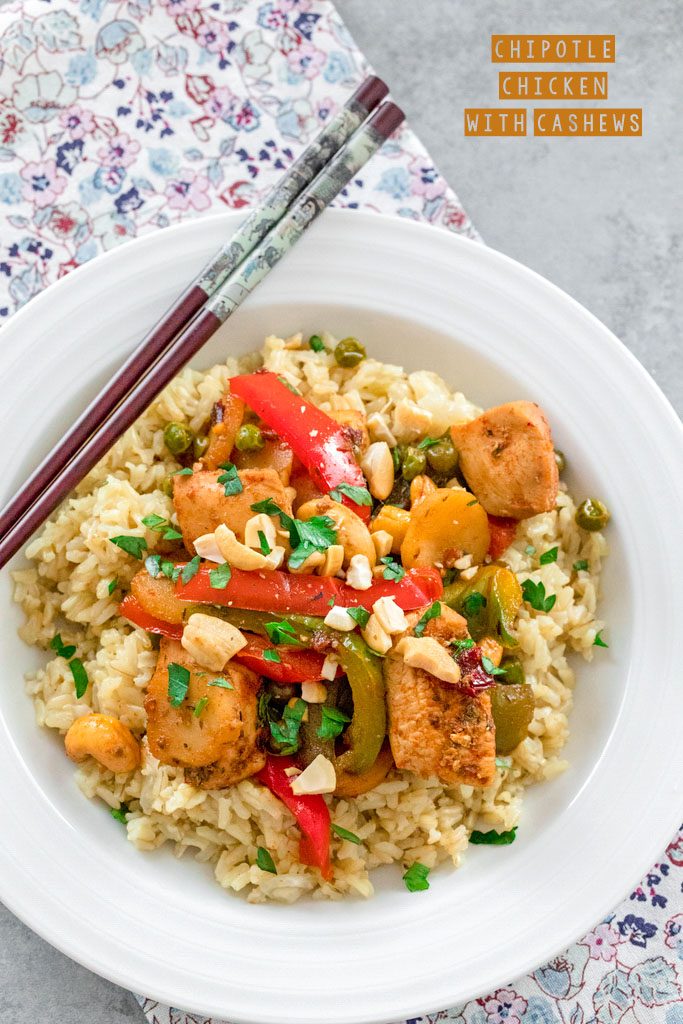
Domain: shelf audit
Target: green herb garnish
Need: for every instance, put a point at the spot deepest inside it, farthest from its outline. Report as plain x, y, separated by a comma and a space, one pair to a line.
475, 501
265, 861
462, 645
582, 564
503, 762
534, 594
473, 603
493, 838
393, 570
263, 543
220, 577
199, 706
113, 584
316, 534
182, 472
62, 649
153, 565
80, 676
224, 684
549, 556
178, 683
282, 633
489, 667
290, 387
286, 732
432, 612
131, 545
359, 615
269, 507
332, 724
344, 833
190, 570
428, 442
316, 343
119, 813
416, 877
599, 642
359, 495
230, 479
270, 654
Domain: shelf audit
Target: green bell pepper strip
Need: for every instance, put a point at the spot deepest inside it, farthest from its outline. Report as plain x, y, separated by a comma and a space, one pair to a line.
495, 614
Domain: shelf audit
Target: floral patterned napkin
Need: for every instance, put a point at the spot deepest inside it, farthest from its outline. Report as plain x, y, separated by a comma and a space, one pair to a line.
118, 117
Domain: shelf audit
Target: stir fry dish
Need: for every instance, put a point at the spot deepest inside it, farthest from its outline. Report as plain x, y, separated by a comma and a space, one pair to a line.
311, 615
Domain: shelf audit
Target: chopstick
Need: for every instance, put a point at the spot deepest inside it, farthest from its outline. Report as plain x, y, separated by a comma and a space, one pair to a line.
226, 299
347, 120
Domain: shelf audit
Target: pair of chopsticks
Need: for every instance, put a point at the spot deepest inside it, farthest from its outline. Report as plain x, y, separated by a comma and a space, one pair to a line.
310, 185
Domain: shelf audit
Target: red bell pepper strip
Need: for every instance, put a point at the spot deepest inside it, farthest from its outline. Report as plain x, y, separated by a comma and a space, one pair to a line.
131, 609
502, 532
280, 592
294, 666
315, 438
311, 813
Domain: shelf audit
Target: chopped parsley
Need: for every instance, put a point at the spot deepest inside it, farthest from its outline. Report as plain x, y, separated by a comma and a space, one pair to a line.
80, 676
220, 577
182, 472
316, 534
581, 565
230, 479
359, 495
265, 861
599, 642
428, 442
153, 565
270, 654
178, 683
493, 838
199, 706
332, 724
489, 667
416, 877
119, 813
473, 603
359, 615
316, 343
162, 526
462, 645
191, 569
475, 501
269, 507
224, 684
290, 387
263, 543
113, 584
432, 612
344, 833
286, 731
534, 594
549, 556
282, 633
131, 545
62, 649
393, 570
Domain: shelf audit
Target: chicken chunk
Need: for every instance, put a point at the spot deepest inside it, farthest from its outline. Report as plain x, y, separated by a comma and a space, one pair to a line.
508, 460
201, 504
435, 728
241, 758
355, 424
275, 455
175, 734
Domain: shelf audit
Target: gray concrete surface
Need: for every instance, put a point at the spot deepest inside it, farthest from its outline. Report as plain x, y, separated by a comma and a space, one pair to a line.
601, 218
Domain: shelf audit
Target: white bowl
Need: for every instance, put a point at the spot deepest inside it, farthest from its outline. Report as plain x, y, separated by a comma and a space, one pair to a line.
423, 298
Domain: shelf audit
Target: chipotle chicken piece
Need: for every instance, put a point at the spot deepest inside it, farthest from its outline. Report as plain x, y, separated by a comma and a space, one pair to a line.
242, 757
355, 424
226, 419
508, 460
275, 455
435, 728
175, 734
201, 504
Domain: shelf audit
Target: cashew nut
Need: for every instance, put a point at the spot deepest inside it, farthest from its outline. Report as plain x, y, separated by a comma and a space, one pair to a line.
378, 466
352, 533
240, 556
421, 487
106, 739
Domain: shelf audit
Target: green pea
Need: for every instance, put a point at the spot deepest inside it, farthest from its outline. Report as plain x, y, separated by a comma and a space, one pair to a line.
414, 463
442, 457
249, 438
199, 446
167, 486
560, 460
349, 352
592, 515
177, 438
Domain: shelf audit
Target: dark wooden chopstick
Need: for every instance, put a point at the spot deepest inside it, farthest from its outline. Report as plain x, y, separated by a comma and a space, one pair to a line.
347, 120
311, 202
